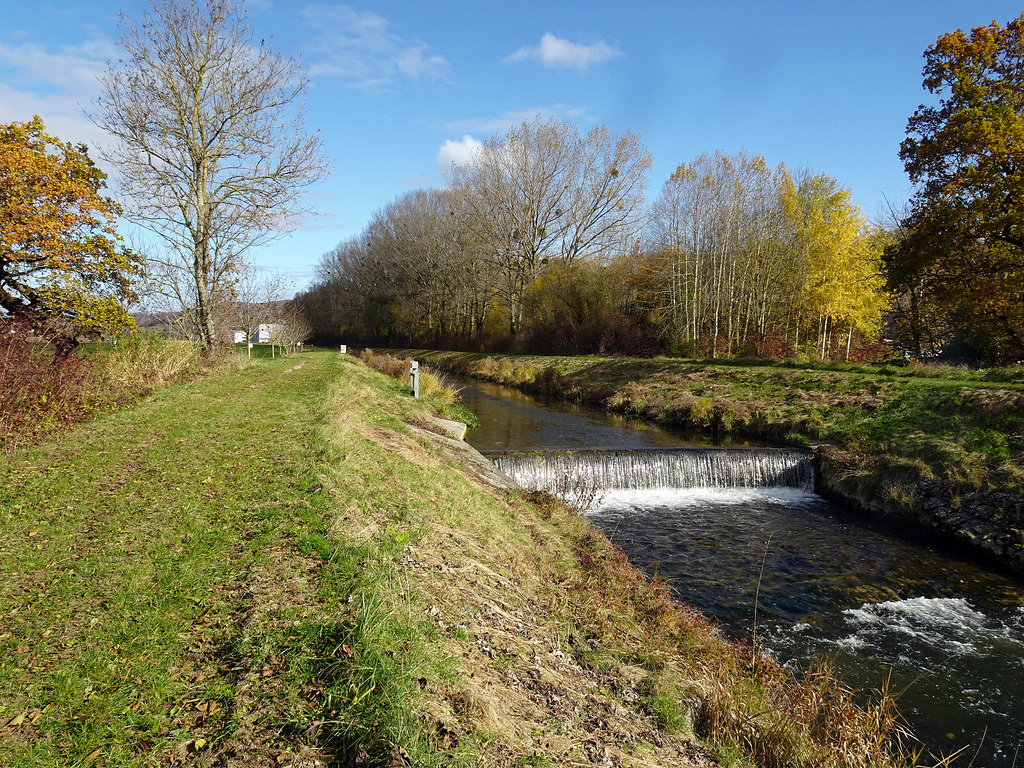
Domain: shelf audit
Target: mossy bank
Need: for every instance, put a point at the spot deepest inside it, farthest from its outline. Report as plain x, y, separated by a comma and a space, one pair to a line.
938, 451
284, 566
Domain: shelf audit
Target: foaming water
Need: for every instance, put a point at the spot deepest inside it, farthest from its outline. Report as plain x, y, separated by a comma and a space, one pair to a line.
624, 502
946, 633
661, 469
949, 634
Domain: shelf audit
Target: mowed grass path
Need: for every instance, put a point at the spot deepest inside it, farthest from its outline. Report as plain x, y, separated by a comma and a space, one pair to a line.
127, 548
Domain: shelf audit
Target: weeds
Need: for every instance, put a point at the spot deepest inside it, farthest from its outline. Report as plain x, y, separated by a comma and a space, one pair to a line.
43, 390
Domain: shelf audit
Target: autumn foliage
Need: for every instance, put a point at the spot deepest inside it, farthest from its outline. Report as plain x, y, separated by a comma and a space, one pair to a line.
958, 262
61, 258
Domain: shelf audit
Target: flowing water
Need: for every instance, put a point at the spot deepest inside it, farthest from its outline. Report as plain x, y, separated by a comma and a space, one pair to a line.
714, 521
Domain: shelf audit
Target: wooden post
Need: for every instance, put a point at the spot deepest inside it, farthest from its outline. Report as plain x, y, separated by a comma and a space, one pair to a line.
414, 378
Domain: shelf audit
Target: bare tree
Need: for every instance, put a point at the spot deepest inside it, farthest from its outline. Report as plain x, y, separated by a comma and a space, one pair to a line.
540, 192
209, 139
290, 327
257, 301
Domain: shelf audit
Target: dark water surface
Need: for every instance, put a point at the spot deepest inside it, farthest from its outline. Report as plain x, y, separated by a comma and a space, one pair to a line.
947, 631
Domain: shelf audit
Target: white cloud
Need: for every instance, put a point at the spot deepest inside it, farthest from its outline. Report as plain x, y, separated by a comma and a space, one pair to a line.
73, 69
556, 53
358, 47
458, 152
56, 85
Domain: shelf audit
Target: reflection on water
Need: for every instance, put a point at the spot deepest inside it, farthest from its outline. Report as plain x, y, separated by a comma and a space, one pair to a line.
948, 632
512, 421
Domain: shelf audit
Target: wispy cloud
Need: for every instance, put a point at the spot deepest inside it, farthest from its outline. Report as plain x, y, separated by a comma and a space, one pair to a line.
504, 121
54, 84
556, 53
359, 48
73, 69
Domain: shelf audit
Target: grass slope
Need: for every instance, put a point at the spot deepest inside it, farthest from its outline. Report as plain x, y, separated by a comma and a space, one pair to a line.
271, 567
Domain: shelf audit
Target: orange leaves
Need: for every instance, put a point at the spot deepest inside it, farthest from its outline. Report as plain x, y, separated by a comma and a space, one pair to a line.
59, 249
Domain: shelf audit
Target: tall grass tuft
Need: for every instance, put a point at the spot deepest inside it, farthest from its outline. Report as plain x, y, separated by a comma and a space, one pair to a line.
433, 384
142, 362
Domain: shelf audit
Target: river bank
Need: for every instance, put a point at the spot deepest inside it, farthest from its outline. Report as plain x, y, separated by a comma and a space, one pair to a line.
938, 452
302, 573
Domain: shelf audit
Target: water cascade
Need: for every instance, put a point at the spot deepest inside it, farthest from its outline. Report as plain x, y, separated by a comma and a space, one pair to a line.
946, 633
660, 468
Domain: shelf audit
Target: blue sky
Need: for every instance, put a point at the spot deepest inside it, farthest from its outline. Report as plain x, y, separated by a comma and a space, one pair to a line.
399, 88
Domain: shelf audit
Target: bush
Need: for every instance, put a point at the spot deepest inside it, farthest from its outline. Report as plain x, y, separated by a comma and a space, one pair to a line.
46, 386
41, 390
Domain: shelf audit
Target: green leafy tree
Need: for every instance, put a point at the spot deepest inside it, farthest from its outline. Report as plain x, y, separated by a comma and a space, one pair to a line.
60, 255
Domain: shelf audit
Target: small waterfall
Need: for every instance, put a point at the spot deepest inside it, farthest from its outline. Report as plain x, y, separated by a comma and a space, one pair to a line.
648, 469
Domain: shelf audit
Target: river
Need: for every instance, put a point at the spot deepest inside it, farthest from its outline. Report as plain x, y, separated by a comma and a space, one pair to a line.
946, 632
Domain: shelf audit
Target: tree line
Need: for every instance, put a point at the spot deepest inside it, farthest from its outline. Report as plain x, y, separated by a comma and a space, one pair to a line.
543, 242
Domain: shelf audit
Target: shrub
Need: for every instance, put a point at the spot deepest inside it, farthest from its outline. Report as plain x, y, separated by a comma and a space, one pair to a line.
41, 390
701, 412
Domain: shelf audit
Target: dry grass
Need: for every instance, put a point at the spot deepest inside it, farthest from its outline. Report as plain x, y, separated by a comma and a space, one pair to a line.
564, 653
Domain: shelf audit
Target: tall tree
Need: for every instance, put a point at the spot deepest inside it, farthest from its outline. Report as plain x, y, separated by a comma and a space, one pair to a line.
717, 231
842, 287
967, 153
209, 139
541, 192
965, 244
60, 254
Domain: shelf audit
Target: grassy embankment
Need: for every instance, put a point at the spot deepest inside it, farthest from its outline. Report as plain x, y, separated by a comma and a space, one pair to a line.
270, 567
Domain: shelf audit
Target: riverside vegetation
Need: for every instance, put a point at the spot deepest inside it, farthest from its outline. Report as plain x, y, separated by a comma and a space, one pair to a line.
282, 565
936, 449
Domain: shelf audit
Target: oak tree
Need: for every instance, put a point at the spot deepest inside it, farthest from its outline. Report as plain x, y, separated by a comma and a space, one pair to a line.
209, 140
61, 257
964, 249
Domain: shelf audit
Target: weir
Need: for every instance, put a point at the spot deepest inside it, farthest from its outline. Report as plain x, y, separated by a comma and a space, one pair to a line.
660, 468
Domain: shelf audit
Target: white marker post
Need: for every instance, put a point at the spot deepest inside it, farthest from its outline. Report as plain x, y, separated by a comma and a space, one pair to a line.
414, 378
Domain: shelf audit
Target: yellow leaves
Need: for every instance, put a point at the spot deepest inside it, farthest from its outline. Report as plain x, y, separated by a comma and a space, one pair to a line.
58, 246
843, 280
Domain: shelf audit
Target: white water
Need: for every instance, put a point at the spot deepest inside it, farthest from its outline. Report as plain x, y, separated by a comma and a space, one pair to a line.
627, 502
947, 634
686, 468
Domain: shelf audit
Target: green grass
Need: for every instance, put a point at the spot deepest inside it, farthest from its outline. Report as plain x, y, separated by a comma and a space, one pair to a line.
134, 552
267, 565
